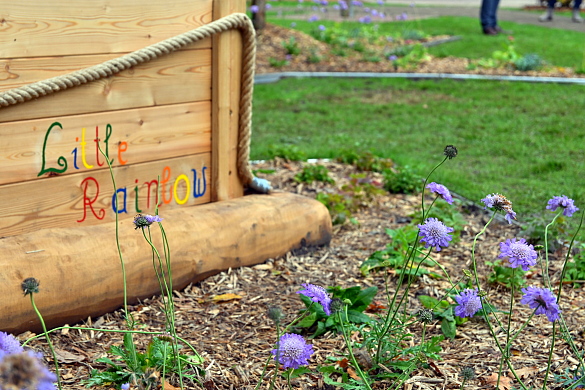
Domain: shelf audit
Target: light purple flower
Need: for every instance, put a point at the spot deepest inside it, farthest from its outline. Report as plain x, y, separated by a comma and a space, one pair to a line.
468, 303
519, 253
441, 190
125, 386
142, 221
322, 28
292, 351
268, 6
435, 234
543, 300
402, 16
254, 9
317, 294
500, 203
25, 370
393, 57
365, 19
380, 2
313, 18
562, 201
9, 344
357, 3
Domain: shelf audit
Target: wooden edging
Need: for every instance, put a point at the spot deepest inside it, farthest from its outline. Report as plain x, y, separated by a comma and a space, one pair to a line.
79, 269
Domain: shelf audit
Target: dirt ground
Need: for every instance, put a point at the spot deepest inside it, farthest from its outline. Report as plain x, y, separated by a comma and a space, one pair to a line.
235, 336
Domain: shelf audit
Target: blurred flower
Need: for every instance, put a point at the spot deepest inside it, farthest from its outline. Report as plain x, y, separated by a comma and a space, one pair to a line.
442, 191
317, 294
30, 286
365, 19
380, 2
254, 9
313, 18
435, 234
468, 302
500, 203
292, 351
142, 221
125, 386
374, 12
402, 16
324, 2
357, 3
268, 6
519, 253
293, 24
393, 57
543, 300
562, 201
322, 28
9, 344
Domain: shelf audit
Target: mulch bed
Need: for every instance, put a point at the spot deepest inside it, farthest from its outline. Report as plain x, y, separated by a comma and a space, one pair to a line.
235, 336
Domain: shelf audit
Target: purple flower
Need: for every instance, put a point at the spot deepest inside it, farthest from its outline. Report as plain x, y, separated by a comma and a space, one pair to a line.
313, 18
317, 294
268, 6
543, 300
9, 344
374, 12
402, 16
562, 201
357, 3
442, 191
322, 28
393, 57
500, 203
292, 351
365, 19
435, 234
254, 9
519, 253
142, 221
293, 24
468, 303
380, 2
24, 370
125, 386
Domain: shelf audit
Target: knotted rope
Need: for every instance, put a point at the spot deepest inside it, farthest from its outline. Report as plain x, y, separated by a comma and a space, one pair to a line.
111, 67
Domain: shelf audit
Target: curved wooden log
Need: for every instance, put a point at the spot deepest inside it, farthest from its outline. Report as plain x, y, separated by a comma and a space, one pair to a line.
80, 273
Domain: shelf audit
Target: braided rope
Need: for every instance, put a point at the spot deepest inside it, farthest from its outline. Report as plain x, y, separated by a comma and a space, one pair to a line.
111, 67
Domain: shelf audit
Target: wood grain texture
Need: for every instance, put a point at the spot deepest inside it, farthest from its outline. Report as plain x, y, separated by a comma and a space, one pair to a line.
86, 199
180, 77
34, 28
136, 136
226, 80
202, 244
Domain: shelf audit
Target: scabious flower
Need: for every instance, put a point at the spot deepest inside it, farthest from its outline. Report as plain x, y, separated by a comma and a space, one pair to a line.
30, 286
313, 18
435, 234
20, 369
9, 344
292, 351
562, 201
254, 9
142, 221
365, 19
468, 302
125, 386
450, 151
442, 191
317, 294
392, 57
543, 300
519, 253
500, 203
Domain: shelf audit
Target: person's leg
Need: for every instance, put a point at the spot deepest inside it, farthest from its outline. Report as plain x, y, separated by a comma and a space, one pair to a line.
548, 15
576, 12
487, 16
495, 5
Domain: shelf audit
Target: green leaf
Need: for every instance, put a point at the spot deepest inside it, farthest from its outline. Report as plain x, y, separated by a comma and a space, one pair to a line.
428, 302
297, 372
357, 317
364, 298
308, 321
448, 327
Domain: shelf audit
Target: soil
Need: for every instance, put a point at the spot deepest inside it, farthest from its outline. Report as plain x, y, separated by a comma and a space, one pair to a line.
224, 317
270, 48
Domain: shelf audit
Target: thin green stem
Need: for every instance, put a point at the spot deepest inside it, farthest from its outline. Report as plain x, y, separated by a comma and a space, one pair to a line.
347, 340
32, 302
506, 355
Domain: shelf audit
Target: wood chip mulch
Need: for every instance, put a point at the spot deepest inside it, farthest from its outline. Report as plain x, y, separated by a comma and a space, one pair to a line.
235, 336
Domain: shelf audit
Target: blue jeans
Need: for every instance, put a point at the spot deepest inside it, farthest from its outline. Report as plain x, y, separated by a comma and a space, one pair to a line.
576, 5
487, 14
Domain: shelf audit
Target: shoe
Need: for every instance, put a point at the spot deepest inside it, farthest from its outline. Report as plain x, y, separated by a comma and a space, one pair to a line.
545, 18
490, 31
576, 18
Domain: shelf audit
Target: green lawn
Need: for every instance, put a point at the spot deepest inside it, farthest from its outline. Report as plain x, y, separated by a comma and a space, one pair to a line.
524, 140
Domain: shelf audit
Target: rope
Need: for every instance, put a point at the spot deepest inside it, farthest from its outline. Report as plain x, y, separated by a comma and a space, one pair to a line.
111, 67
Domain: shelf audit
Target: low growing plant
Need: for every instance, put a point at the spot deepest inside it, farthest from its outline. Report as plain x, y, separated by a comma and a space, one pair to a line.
312, 172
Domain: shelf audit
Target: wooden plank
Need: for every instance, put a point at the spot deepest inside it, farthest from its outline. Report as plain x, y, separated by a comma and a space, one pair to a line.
31, 148
226, 75
86, 199
180, 77
35, 28
81, 265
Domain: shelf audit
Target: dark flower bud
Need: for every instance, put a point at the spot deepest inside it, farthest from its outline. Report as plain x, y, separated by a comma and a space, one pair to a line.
425, 316
142, 221
468, 373
30, 286
450, 151
275, 314
336, 305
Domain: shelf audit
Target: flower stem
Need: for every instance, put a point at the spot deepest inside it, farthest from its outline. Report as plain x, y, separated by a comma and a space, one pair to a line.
347, 340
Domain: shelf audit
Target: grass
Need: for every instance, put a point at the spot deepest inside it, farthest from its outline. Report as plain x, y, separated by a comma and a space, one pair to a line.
523, 140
